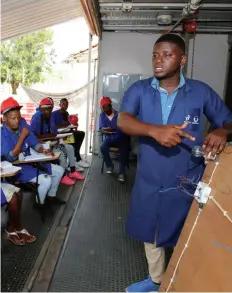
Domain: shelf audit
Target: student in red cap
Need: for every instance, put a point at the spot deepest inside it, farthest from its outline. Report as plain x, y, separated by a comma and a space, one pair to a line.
43, 126
61, 117
16, 140
108, 123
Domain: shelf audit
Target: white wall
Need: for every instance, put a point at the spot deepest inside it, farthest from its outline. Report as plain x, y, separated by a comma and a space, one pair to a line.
132, 52
210, 60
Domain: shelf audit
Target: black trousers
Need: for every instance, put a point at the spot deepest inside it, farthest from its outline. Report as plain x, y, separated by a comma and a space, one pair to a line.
79, 137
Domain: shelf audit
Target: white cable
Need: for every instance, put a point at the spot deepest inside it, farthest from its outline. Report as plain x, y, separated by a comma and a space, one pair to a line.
211, 178
194, 225
214, 200
220, 207
182, 253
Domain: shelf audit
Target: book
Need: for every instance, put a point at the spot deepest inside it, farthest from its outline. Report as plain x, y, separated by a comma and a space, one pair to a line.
8, 168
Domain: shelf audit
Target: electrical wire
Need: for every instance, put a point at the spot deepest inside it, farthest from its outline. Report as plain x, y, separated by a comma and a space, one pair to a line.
225, 214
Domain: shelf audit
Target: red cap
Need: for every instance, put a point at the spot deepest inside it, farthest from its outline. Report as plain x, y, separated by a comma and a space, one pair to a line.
73, 119
45, 102
9, 104
105, 101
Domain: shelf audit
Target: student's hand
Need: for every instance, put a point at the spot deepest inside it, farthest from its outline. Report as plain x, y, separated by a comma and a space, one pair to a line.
170, 135
215, 141
108, 129
24, 132
48, 152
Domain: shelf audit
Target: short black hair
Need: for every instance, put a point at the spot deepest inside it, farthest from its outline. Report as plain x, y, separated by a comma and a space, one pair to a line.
174, 39
63, 100
11, 110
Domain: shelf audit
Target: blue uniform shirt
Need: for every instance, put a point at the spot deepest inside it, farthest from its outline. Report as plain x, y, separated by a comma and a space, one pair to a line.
167, 100
3, 198
158, 206
105, 122
39, 126
58, 117
8, 141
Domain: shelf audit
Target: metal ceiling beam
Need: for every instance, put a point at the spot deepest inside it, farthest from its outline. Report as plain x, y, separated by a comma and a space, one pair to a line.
92, 16
159, 29
135, 18
167, 5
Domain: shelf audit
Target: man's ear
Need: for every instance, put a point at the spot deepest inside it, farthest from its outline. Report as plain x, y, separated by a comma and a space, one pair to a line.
4, 118
183, 60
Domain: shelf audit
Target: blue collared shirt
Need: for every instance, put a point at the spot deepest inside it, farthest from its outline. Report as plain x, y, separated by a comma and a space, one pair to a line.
167, 99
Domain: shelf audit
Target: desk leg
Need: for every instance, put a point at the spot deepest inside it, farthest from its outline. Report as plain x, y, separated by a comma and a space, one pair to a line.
41, 207
37, 180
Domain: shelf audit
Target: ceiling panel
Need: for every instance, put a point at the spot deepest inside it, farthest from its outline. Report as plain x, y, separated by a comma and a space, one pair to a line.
19, 17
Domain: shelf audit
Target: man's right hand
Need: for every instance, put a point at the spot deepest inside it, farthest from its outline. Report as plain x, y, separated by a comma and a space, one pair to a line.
24, 132
170, 135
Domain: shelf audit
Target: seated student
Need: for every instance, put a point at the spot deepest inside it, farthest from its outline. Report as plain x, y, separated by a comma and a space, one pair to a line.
108, 123
61, 120
43, 125
12, 197
16, 139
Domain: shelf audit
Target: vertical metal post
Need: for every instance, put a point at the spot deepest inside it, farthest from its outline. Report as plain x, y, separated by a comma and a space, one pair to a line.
92, 107
186, 38
88, 95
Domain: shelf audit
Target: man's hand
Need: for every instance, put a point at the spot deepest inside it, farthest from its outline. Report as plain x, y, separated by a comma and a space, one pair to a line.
24, 132
170, 135
215, 141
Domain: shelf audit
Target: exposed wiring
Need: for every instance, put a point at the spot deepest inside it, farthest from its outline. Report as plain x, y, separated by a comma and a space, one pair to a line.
225, 214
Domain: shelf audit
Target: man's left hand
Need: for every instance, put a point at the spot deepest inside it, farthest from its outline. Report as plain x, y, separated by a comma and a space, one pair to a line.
215, 141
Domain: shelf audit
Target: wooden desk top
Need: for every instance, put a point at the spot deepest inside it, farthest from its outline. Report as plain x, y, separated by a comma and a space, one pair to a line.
56, 156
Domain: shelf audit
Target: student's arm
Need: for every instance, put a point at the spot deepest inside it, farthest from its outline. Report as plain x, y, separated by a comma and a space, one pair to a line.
53, 129
62, 125
35, 128
221, 118
166, 135
37, 146
40, 149
53, 126
14, 153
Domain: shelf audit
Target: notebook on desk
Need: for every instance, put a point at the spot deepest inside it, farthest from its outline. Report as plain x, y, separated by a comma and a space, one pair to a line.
8, 168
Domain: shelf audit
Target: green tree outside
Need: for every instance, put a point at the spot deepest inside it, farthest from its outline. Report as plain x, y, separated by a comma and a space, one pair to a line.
25, 59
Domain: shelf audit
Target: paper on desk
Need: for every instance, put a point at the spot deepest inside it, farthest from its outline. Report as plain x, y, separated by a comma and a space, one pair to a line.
60, 135
8, 168
71, 126
37, 156
60, 130
5, 164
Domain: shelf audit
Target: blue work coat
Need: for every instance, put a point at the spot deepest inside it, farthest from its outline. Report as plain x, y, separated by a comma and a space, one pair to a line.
8, 141
105, 122
158, 207
39, 126
59, 117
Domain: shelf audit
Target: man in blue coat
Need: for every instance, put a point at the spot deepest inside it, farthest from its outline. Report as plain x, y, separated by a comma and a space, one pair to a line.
170, 111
